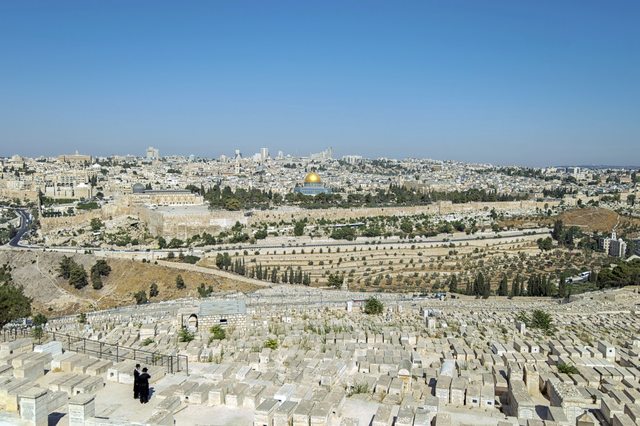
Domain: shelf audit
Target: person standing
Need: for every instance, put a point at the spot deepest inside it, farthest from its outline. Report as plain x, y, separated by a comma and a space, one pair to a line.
136, 384
143, 381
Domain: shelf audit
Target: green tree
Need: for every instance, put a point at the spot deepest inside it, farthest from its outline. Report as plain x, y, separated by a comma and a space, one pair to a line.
96, 281
486, 289
343, 233
503, 288
515, 286
96, 224
13, 304
298, 228
204, 291
479, 284
406, 226
100, 269
453, 284
541, 320
545, 244
336, 280
78, 276
562, 286
153, 290
558, 230
373, 306
162, 243
37, 332
40, 319
140, 297
65, 267
180, 282
82, 318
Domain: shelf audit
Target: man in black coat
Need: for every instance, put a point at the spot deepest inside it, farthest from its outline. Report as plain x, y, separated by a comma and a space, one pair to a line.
136, 382
143, 381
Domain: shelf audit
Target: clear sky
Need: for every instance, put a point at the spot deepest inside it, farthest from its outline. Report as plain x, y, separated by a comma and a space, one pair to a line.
510, 82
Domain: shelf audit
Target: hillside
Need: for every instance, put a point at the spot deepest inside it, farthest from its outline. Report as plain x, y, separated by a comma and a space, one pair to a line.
37, 272
591, 219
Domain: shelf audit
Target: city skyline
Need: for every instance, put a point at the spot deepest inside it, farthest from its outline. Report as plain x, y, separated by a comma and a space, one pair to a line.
531, 84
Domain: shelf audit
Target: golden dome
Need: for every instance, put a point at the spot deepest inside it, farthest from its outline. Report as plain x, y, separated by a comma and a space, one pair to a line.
312, 177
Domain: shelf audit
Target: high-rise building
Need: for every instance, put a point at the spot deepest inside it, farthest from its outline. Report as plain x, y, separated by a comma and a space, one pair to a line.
618, 248
153, 153
327, 154
352, 159
264, 153
614, 246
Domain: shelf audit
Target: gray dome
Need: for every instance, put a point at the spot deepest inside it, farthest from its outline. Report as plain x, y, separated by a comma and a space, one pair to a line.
137, 188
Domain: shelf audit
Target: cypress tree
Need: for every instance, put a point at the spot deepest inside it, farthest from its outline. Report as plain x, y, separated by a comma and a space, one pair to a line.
503, 289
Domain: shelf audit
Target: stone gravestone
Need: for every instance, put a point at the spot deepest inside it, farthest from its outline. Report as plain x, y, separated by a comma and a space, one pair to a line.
33, 406
81, 407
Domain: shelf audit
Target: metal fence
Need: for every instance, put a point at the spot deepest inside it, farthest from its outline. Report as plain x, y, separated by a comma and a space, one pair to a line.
102, 350
14, 333
117, 353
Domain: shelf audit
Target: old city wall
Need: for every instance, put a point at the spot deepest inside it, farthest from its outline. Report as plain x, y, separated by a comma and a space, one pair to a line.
444, 207
19, 194
187, 224
49, 224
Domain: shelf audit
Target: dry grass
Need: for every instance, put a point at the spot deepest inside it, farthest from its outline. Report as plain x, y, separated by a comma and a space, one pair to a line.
37, 273
128, 277
590, 219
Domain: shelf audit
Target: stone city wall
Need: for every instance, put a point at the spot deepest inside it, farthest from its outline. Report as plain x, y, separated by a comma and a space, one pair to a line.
189, 223
20, 194
49, 224
442, 207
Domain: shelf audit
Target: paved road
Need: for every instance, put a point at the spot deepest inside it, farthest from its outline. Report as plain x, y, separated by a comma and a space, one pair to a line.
25, 221
445, 238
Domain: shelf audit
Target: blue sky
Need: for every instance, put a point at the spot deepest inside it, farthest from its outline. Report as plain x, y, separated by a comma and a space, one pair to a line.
509, 82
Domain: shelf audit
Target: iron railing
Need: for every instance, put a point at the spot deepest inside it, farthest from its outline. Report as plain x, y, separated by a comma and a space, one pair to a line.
103, 350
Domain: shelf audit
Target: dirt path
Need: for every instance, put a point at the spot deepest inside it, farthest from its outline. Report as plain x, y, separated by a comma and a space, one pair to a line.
211, 271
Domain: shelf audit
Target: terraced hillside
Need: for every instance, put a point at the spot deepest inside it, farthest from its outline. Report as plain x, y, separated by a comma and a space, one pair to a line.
408, 267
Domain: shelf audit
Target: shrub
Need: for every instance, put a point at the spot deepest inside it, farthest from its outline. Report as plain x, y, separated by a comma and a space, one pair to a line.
180, 282
567, 368
217, 332
373, 306
185, 335
271, 344
141, 297
153, 290
359, 388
